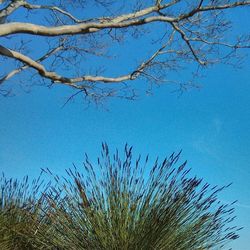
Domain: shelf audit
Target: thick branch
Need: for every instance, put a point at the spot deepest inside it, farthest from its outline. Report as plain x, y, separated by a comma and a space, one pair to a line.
53, 76
200, 34
18, 70
83, 28
123, 21
56, 78
75, 29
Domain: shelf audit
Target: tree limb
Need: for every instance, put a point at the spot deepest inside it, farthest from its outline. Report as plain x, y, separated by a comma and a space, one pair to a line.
18, 70
56, 78
9, 9
201, 26
122, 21
53, 8
187, 40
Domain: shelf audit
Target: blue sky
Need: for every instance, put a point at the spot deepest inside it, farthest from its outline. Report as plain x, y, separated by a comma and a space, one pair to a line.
211, 125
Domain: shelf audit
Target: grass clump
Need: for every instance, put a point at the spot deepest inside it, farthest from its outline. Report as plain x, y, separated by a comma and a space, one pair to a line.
118, 203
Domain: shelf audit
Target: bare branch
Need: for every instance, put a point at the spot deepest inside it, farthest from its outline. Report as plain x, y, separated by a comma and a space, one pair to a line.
122, 21
211, 8
53, 8
187, 40
83, 28
18, 70
238, 45
201, 27
9, 9
56, 78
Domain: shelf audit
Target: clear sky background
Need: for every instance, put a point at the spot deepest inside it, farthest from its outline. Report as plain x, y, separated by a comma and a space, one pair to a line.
211, 125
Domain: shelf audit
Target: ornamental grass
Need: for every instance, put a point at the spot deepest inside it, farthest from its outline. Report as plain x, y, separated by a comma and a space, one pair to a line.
119, 202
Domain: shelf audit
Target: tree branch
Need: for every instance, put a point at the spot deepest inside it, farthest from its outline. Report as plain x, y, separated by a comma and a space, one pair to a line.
56, 78
201, 26
83, 28
9, 9
18, 70
199, 8
53, 8
122, 21
187, 40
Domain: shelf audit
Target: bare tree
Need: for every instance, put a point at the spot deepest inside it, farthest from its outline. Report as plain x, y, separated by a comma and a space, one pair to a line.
75, 43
